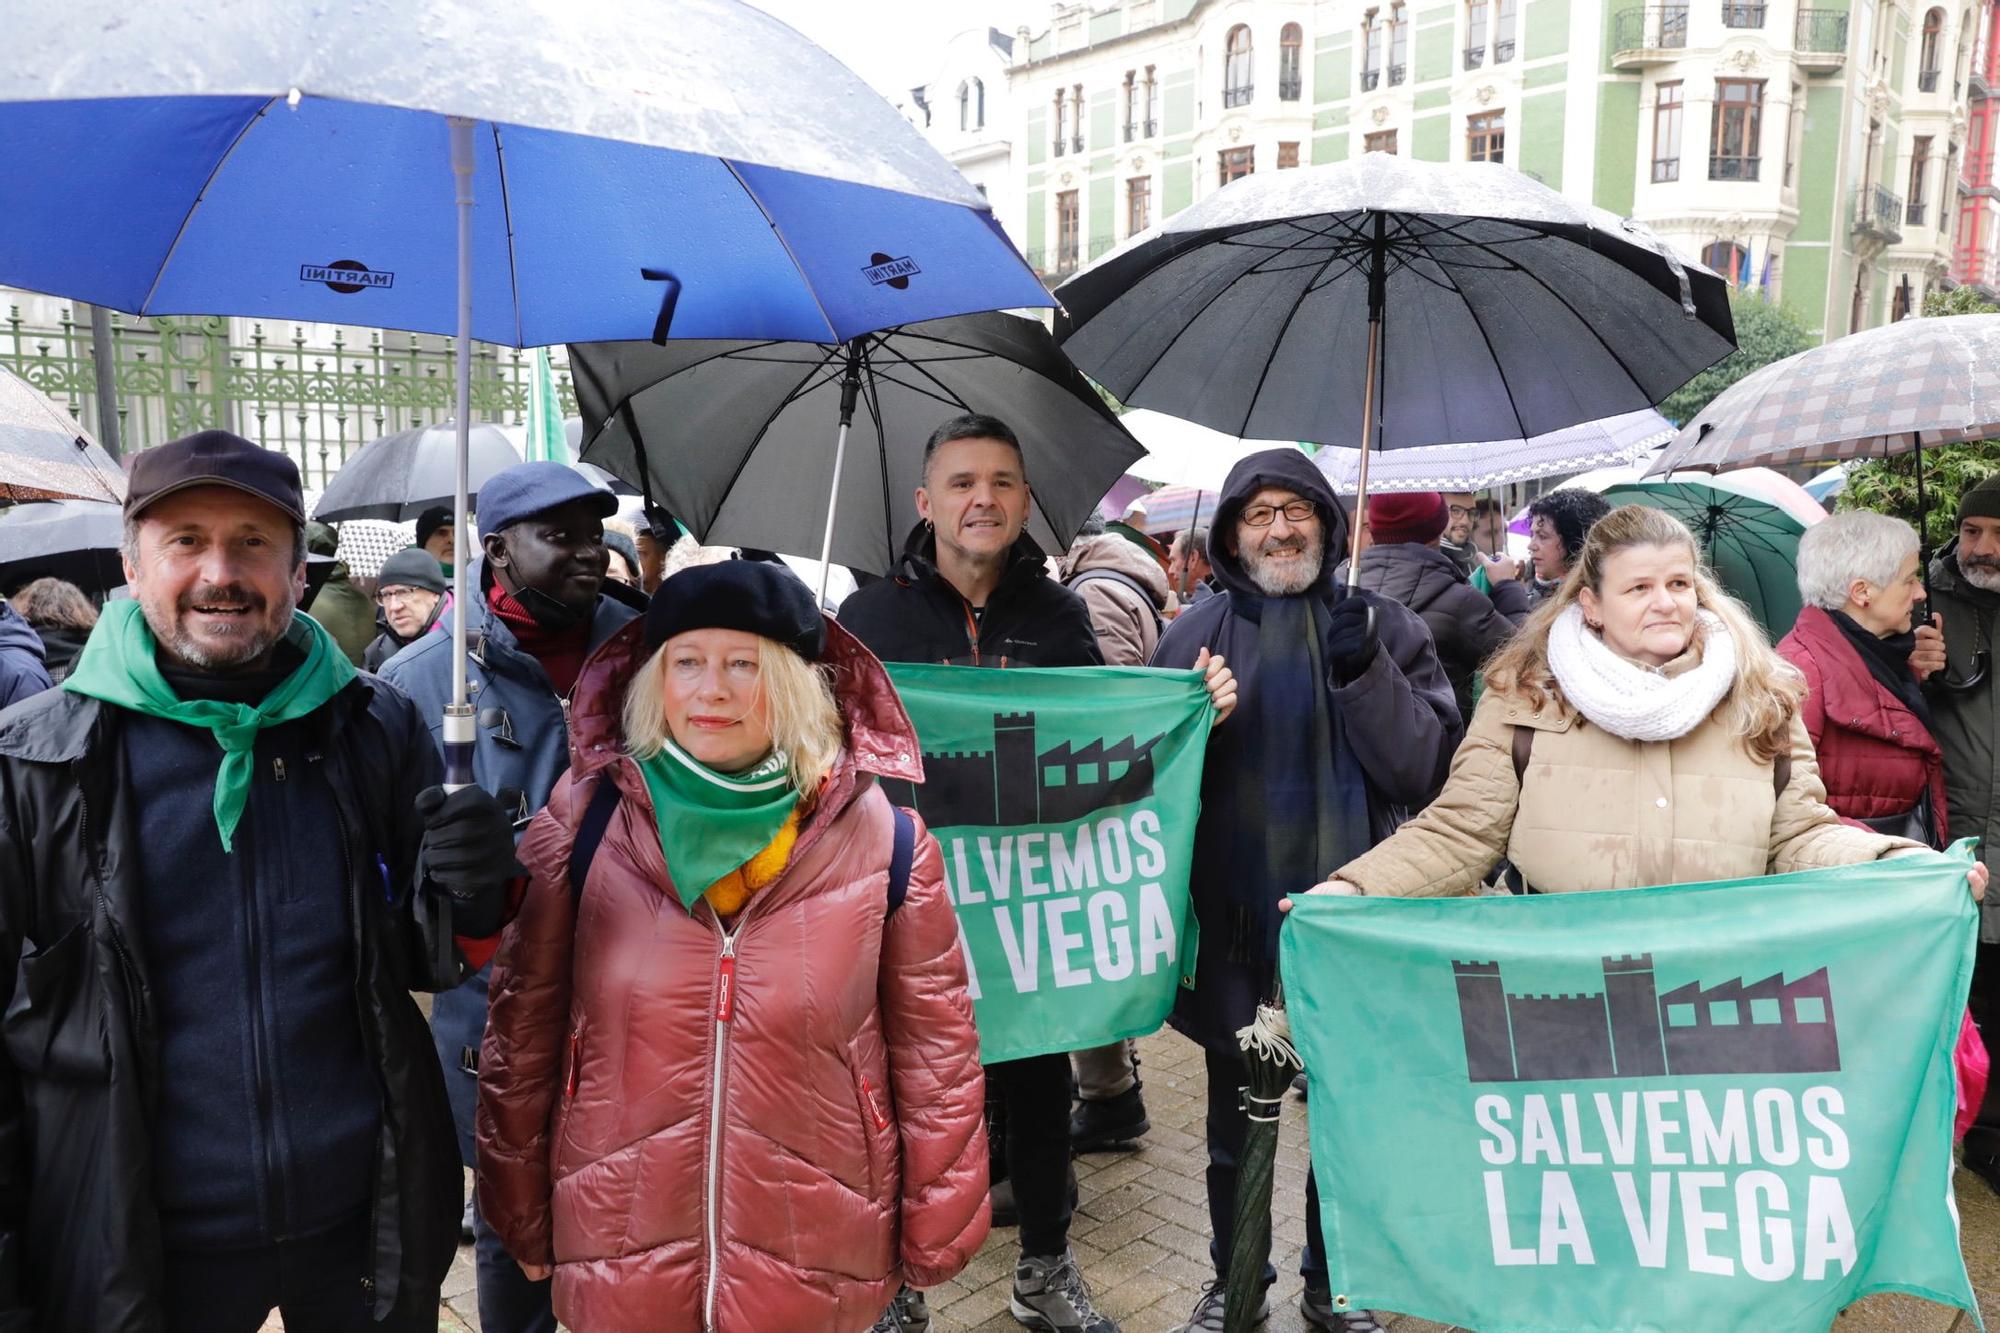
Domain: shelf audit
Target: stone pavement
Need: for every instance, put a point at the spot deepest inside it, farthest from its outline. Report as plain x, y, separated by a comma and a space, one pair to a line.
1142, 1232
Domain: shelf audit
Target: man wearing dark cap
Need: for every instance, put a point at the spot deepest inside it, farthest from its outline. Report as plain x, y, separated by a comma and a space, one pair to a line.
222, 857
537, 605
437, 534
1407, 564
1965, 718
410, 595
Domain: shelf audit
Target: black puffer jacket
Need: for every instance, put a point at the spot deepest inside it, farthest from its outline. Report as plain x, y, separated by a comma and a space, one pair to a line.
1467, 626
80, 1238
917, 616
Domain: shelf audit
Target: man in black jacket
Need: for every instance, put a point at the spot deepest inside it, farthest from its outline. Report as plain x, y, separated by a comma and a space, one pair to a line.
224, 864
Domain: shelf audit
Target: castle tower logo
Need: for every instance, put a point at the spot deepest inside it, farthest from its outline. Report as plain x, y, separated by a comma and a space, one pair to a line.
1016, 783
1630, 1030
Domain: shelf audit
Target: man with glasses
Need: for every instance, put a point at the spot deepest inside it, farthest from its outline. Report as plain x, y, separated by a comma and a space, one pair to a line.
1344, 720
410, 596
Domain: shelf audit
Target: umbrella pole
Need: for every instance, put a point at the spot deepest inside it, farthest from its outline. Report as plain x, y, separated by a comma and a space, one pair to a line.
850, 391
1181, 591
1377, 282
459, 731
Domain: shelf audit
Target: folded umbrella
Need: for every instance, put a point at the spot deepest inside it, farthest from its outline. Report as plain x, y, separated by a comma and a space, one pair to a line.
45, 454
400, 476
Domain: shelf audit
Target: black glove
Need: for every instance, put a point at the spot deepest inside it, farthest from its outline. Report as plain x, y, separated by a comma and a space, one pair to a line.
1350, 638
468, 852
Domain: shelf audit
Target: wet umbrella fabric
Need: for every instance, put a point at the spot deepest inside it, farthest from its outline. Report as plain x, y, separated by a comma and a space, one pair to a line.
399, 476
45, 454
736, 438
75, 540
1750, 543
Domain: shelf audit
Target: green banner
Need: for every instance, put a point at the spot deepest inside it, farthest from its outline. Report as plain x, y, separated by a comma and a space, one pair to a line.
1717, 1106
1065, 804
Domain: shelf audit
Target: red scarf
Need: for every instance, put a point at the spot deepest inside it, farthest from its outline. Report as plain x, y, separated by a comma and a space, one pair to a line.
561, 652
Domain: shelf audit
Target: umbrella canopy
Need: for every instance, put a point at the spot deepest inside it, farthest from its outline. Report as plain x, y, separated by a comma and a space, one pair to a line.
1750, 543
65, 539
290, 159
1185, 453
45, 454
734, 437
1477, 467
1504, 308
1883, 391
1825, 485
400, 476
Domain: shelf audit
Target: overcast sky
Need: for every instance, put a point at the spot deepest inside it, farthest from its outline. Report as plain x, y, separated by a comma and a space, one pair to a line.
896, 44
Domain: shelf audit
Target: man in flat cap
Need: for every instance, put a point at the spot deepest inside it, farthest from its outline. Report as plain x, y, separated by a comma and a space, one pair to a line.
222, 855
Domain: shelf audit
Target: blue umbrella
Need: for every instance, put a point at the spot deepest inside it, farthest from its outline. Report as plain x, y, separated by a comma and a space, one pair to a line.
528, 174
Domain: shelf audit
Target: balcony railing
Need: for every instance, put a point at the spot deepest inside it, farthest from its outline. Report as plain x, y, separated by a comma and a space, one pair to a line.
1475, 56
1290, 89
1819, 38
1237, 94
1914, 214
1061, 145
1742, 15
1369, 78
1503, 51
1396, 73
1066, 258
1152, 128
1131, 131
1641, 36
1076, 143
1878, 213
1101, 246
1927, 80
1666, 169
1733, 168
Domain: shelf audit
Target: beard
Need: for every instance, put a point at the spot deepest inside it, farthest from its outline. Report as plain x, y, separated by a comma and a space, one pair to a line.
258, 631
1980, 572
1288, 580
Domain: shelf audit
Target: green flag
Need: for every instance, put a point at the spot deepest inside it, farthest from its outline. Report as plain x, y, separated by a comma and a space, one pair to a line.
547, 441
1064, 802
1719, 1106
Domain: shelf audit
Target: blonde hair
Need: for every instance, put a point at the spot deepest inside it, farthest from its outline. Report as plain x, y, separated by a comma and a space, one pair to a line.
797, 697
1760, 705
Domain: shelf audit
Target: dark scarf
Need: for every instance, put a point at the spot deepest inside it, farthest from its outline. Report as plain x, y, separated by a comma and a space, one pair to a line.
1308, 787
561, 652
1888, 661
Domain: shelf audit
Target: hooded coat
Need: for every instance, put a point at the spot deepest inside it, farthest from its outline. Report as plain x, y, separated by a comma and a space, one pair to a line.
22, 670
768, 1142
1467, 626
1966, 723
1398, 717
1126, 618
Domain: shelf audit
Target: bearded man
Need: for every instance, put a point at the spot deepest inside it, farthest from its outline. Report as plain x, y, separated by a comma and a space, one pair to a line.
1344, 720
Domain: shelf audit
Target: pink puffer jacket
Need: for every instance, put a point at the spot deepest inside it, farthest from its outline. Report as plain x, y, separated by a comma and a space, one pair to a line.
765, 1129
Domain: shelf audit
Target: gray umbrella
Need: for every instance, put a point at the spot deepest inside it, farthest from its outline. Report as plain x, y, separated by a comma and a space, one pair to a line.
65, 539
45, 454
400, 476
1423, 302
1883, 391
737, 439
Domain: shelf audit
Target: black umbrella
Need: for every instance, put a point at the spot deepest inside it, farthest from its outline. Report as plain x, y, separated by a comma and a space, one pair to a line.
743, 440
1431, 303
399, 476
45, 454
75, 540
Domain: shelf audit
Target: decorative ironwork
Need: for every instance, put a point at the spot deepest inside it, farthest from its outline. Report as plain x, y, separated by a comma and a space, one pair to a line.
1927, 80
1742, 15
1733, 168
1237, 94
1289, 88
1369, 78
1878, 212
1666, 169
1821, 32
317, 400
1396, 73
1914, 214
1651, 28
1475, 56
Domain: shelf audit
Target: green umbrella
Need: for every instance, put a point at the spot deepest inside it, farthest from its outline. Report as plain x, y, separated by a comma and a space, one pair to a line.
1750, 543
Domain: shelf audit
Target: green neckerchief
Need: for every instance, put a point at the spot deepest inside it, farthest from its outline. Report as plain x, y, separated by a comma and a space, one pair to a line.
118, 665
712, 823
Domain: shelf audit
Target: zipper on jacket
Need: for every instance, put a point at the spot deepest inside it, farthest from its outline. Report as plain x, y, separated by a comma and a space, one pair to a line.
868, 1096
260, 1072
357, 904
971, 629
575, 1057
725, 1009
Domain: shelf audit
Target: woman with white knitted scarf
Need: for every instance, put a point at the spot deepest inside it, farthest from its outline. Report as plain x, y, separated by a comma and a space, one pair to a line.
1638, 730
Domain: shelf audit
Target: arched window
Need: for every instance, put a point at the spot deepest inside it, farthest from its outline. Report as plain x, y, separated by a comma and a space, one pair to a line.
964, 106
1726, 258
1236, 85
978, 104
1399, 43
1928, 52
1291, 45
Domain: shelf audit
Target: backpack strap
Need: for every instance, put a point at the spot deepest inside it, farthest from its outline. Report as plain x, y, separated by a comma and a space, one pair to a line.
901, 855
1524, 748
1781, 774
604, 799
1118, 576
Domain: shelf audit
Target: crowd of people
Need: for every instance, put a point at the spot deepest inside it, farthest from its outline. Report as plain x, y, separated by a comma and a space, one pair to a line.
701, 1023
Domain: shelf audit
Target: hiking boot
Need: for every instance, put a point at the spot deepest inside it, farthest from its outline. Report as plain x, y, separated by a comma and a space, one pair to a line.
1050, 1295
1101, 1124
907, 1313
1209, 1310
1316, 1304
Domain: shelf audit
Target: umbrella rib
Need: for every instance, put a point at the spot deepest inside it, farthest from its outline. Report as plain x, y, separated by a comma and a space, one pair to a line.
1306, 289
736, 475
1513, 405
1179, 333
872, 397
507, 221
160, 273
833, 332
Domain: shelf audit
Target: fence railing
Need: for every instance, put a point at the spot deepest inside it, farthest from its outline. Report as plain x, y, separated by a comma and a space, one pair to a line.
1651, 28
1821, 32
317, 399
1879, 210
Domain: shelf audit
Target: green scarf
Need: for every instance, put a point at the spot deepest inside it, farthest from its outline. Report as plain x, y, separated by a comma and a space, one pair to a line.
118, 665
710, 822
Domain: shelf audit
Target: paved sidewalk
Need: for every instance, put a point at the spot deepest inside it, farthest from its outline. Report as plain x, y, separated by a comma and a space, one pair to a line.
1142, 1232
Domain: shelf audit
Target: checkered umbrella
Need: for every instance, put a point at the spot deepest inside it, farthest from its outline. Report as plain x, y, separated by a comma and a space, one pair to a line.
1883, 391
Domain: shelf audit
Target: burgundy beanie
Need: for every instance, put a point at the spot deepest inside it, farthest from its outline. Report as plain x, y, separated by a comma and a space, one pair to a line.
1407, 516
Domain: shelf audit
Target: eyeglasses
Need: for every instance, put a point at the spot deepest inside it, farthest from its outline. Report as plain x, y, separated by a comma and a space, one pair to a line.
388, 595
1460, 511
1263, 516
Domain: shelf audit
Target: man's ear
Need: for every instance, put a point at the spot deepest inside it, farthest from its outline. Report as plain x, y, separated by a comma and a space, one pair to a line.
495, 546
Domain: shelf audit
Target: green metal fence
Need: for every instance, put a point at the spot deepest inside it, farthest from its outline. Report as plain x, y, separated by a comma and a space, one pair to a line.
317, 400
